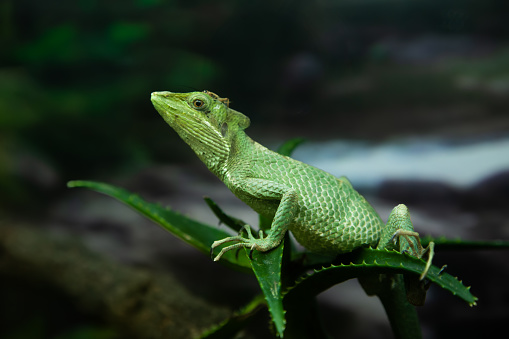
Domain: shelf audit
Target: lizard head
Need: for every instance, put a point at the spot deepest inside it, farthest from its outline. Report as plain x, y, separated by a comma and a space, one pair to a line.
203, 120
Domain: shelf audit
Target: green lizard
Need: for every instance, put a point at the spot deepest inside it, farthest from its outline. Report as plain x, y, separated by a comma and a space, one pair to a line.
325, 214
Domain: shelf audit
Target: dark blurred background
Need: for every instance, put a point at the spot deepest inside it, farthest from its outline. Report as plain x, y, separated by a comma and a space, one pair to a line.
75, 82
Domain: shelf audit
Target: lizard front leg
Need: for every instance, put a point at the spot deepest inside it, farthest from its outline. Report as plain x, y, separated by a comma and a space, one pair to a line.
285, 213
399, 234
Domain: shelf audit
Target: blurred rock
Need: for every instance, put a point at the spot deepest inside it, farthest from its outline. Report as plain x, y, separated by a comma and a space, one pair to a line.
490, 193
419, 192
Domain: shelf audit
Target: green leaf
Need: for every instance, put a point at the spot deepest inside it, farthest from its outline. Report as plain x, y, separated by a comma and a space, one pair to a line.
442, 243
232, 222
194, 233
381, 273
458, 244
264, 223
368, 261
267, 268
289, 146
405, 263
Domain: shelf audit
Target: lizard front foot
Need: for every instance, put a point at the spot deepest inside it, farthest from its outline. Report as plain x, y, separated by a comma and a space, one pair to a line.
251, 242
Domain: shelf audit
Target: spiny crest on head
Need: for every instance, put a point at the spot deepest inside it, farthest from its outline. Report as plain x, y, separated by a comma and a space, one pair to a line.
225, 101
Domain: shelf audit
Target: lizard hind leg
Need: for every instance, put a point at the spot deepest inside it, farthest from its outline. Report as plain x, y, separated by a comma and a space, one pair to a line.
399, 234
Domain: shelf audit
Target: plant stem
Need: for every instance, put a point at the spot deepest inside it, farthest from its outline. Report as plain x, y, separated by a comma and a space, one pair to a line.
402, 316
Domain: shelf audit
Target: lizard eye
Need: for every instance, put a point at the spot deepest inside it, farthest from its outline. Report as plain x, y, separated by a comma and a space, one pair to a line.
197, 103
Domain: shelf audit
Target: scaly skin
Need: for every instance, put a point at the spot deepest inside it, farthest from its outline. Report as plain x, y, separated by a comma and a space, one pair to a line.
326, 214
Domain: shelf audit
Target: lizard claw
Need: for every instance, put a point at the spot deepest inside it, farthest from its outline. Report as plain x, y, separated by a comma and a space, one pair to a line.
250, 242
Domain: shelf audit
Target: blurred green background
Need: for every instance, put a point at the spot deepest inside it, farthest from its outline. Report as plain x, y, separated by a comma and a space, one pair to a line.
76, 77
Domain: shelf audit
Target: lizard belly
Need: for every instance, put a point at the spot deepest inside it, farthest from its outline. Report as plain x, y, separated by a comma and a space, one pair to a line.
338, 236
336, 221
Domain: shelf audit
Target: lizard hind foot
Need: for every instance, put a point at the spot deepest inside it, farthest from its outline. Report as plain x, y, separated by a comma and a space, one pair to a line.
417, 249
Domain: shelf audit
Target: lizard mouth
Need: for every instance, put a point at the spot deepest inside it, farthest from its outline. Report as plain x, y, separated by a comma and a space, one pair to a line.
163, 105
158, 99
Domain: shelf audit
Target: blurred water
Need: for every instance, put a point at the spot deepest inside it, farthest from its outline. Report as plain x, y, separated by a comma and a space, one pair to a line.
368, 165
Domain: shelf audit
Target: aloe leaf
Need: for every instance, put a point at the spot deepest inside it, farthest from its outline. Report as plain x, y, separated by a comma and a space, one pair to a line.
267, 268
369, 261
408, 264
289, 146
264, 223
231, 326
368, 264
197, 234
459, 244
441, 243
232, 222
